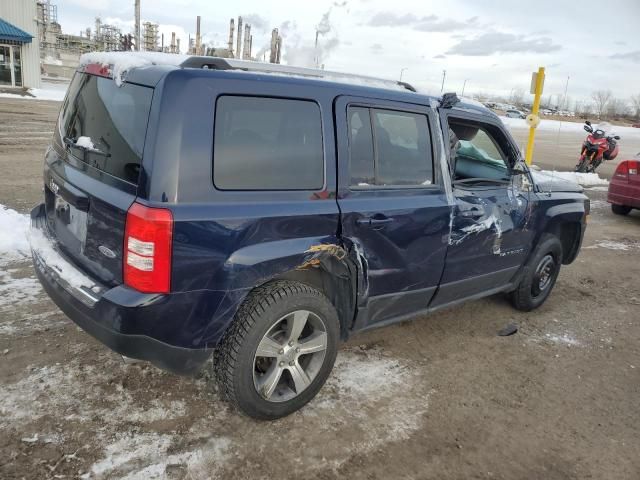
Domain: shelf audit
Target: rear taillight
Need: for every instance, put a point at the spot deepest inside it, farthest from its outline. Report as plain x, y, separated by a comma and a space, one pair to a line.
147, 246
626, 168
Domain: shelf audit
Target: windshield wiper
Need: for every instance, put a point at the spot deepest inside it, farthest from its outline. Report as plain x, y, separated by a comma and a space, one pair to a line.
72, 143
481, 180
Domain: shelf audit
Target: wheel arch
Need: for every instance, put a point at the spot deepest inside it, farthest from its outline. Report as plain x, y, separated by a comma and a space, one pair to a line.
566, 223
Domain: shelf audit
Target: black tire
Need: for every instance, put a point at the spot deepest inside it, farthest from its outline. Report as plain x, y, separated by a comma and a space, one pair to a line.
235, 358
582, 166
539, 275
620, 209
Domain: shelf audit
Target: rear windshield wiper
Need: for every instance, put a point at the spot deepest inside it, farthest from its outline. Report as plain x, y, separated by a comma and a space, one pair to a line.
481, 180
72, 143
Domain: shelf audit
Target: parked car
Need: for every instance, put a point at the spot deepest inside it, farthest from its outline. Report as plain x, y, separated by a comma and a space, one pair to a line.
212, 208
515, 114
636, 125
624, 188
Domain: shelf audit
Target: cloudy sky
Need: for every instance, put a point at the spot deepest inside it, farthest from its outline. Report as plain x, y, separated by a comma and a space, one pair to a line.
493, 44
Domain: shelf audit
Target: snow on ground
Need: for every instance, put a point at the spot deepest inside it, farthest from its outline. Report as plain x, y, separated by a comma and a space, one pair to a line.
54, 91
145, 448
556, 125
14, 226
564, 339
584, 179
613, 245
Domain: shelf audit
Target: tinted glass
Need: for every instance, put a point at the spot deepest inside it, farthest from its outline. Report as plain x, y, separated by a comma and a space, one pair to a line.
114, 120
361, 147
267, 144
403, 148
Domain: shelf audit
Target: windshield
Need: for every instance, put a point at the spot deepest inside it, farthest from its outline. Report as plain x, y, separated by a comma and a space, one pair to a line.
105, 125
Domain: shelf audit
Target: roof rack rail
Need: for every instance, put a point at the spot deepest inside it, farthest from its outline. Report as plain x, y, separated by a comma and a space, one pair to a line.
218, 63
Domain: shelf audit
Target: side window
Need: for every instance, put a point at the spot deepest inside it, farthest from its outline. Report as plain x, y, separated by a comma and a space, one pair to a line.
267, 144
361, 147
396, 152
475, 152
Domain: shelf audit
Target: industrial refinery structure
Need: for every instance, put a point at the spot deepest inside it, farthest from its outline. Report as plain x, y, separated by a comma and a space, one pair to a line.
60, 52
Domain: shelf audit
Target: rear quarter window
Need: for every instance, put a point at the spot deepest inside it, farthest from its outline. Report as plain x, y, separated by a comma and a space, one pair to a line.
267, 144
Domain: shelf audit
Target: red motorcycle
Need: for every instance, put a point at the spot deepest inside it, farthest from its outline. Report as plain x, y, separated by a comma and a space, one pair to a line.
598, 146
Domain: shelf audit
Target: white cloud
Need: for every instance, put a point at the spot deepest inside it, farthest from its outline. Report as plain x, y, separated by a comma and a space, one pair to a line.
465, 37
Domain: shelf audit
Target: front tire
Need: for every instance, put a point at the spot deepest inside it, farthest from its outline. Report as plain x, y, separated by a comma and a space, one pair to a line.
539, 275
279, 350
620, 209
582, 165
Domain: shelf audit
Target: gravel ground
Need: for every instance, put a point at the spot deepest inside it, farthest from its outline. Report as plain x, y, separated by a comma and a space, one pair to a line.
438, 397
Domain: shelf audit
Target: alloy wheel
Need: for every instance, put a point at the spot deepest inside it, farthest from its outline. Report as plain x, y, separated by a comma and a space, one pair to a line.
289, 356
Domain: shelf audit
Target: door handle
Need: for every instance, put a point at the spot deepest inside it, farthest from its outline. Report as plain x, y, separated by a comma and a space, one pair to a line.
373, 222
472, 213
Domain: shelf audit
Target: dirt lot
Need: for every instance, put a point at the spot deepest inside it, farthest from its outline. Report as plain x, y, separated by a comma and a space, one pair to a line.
439, 397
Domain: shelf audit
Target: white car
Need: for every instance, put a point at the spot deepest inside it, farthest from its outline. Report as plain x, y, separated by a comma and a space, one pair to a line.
512, 113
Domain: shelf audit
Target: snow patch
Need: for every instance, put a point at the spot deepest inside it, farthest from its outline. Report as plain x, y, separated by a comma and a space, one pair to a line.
14, 244
49, 91
584, 179
565, 339
612, 245
556, 125
17, 291
44, 249
85, 142
122, 62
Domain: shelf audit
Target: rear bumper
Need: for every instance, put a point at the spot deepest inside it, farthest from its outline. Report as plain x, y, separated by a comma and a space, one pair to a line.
624, 194
111, 315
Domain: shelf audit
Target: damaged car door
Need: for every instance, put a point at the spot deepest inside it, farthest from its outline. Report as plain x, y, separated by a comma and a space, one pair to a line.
394, 209
489, 236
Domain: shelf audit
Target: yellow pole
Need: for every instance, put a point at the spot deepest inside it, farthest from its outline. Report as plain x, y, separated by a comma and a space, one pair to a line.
534, 112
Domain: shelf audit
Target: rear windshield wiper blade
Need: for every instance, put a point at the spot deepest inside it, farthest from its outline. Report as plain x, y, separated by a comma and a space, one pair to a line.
480, 180
72, 143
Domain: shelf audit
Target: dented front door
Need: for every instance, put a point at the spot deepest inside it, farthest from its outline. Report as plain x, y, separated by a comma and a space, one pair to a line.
488, 243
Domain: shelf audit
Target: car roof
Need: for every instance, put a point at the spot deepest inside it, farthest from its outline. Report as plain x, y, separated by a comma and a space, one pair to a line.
149, 68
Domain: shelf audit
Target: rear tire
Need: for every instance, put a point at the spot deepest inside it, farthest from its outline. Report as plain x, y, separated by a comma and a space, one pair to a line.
620, 209
279, 350
539, 275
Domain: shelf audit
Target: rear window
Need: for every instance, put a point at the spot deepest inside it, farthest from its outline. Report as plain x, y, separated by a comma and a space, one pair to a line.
105, 125
267, 144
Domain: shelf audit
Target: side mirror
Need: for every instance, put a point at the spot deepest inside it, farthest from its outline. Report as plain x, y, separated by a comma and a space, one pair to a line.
587, 122
519, 168
617, 137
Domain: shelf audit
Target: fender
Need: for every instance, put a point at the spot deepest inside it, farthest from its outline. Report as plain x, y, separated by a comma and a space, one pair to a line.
558, 216
323, 262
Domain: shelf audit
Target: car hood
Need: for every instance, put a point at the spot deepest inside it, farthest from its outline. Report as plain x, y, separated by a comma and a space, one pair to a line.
547, 182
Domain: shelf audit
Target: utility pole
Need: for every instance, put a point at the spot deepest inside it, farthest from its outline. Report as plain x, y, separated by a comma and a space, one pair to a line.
137, 26
444, 75
564, 98
402, 71
463, 86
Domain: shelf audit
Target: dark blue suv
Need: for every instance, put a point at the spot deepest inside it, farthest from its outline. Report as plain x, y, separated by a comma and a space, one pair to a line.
198, 208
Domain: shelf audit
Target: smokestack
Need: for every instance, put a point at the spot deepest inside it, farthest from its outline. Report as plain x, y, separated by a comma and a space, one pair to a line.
278, 48
178, 46
137, 26
250, 46
198, 39
162, 44
231, 29
173, 42
239, 39
273, 45
246, 54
